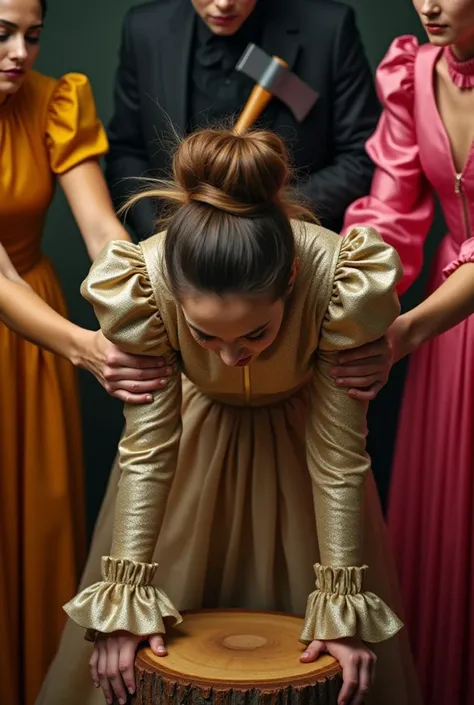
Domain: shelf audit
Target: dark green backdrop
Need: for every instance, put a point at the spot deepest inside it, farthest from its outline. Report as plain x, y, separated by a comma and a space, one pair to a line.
83, 35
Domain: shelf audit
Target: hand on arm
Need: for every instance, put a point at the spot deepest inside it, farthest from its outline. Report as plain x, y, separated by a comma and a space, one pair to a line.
365, 370
131, 378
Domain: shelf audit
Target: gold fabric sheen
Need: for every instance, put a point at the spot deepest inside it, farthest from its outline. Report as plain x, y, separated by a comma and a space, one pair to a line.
343, 297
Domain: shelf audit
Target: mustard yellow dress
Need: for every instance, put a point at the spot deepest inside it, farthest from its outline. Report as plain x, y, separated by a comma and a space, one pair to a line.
47, 128
235, 483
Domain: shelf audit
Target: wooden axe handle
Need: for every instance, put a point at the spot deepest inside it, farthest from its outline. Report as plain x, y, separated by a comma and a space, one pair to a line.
255, 105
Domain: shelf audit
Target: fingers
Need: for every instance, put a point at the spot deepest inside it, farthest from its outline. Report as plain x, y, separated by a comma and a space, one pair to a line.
126, 386
113, 673
374, 349
112, 665
362, 368
358, 671
366, 674
350, 678
129, 398
360, 382
135, 374
93, 667
102, 671
157, 645
118, 358
126, 666
314, 650
366, 394
133, 392
373, 667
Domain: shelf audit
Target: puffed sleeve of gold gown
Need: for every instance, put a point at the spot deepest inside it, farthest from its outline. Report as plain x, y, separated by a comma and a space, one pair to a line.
362, 305
74, 132
120, 291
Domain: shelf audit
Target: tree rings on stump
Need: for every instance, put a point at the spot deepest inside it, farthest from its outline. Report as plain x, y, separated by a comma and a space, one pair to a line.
235, 657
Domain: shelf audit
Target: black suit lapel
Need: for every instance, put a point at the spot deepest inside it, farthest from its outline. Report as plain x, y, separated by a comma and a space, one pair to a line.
281, 37
281, 32
175, 56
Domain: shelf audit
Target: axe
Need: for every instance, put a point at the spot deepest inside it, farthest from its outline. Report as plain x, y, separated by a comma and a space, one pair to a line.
273, 78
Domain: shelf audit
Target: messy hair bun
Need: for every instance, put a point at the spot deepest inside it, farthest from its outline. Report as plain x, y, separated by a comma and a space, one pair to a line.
240, 174
228, 230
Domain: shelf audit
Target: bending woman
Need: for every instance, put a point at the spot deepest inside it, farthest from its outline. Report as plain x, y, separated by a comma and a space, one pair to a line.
219, 473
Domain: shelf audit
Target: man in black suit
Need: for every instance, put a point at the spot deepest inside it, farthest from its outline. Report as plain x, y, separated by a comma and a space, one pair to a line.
177, 63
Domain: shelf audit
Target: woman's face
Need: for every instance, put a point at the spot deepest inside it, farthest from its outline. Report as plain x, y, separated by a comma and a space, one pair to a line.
235, 327
21, 23
448, 21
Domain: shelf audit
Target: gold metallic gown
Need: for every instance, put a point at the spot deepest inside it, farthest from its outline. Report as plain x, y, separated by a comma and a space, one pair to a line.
237, 481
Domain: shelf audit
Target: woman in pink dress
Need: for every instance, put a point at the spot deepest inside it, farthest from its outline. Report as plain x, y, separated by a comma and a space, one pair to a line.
422, 148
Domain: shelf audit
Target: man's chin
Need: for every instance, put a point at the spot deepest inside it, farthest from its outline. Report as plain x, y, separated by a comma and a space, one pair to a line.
224, 30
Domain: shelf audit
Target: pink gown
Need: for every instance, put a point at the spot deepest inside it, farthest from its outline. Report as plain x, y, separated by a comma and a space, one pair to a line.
431, 510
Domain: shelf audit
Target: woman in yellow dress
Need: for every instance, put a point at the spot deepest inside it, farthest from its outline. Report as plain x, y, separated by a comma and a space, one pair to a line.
130, 378
49, 132
251, 469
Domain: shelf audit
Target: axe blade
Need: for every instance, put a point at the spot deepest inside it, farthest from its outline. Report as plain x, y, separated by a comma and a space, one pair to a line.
276, 78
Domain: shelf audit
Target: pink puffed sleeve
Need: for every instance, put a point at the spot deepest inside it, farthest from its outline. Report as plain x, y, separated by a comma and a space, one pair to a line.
466, 255
400, 205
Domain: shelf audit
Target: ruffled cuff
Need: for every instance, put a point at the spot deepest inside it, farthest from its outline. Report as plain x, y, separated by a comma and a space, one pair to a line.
125, 600
339, 607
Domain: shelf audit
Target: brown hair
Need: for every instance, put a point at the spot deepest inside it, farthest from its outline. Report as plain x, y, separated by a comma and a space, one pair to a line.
228, 230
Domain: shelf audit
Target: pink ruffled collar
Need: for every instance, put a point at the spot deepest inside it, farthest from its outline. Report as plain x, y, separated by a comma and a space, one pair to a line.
460, 72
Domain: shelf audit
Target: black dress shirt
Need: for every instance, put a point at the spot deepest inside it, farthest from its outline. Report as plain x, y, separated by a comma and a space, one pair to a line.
217, 91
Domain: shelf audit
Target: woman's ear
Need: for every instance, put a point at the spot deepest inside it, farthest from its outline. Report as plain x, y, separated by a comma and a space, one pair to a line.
294, 272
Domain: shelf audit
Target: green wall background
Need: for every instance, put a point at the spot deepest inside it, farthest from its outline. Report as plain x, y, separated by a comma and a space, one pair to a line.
84, 35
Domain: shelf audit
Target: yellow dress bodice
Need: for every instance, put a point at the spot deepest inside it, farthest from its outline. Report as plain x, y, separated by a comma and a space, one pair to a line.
48, 127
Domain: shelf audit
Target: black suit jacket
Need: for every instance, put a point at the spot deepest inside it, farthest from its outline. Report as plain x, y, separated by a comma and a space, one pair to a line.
319, 41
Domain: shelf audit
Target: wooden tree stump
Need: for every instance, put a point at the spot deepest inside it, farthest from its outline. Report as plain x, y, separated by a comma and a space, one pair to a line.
235, 657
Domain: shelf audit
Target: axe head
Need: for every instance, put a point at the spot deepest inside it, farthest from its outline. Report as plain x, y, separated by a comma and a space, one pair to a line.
275, 77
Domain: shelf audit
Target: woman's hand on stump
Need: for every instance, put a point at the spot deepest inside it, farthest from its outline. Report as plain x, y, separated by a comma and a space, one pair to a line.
112, 664
357, 662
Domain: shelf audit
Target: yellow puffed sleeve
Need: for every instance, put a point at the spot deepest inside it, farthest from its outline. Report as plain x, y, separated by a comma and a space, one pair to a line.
362, 305
119, 288
74, 133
